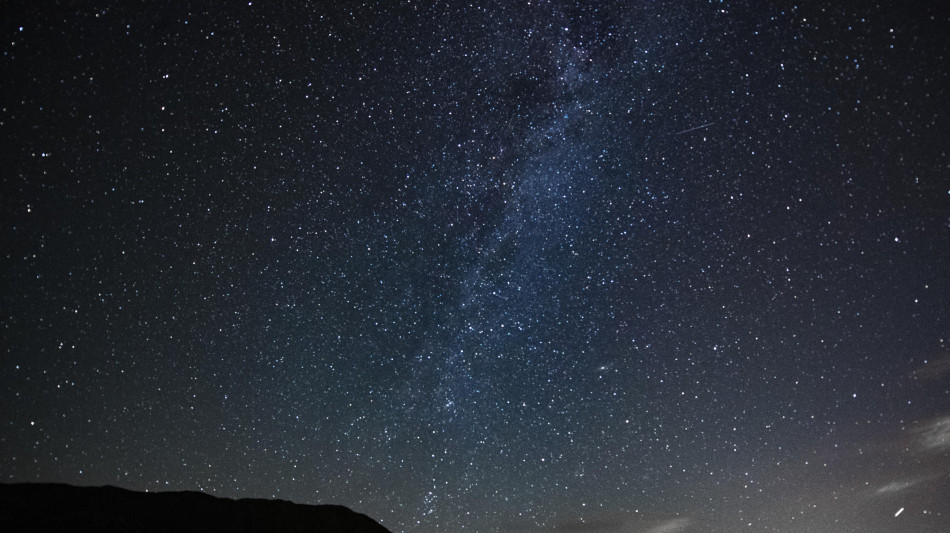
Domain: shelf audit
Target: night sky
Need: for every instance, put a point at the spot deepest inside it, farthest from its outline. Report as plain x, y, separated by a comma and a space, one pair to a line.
501, 266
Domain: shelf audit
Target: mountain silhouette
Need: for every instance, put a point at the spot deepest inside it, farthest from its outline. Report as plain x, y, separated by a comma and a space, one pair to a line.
57, 507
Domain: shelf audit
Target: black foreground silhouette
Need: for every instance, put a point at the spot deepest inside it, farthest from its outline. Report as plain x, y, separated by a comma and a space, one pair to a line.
57, 507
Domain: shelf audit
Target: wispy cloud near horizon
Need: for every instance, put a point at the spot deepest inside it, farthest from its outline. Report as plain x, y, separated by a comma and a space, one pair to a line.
671, 526
896, 486
936, 435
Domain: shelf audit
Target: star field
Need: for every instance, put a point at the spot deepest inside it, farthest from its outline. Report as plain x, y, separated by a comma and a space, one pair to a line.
502, 266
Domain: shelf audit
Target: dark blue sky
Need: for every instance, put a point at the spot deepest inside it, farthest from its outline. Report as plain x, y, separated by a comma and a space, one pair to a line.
530, 266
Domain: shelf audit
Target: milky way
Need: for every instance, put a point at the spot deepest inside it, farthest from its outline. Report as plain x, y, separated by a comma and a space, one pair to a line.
514, 266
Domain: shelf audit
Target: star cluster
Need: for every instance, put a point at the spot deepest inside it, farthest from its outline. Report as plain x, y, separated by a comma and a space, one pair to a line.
533, 266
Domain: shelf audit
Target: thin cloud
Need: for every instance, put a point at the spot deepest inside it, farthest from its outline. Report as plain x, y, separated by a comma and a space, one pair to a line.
936, 435
671, 526
933, 369
896, 486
